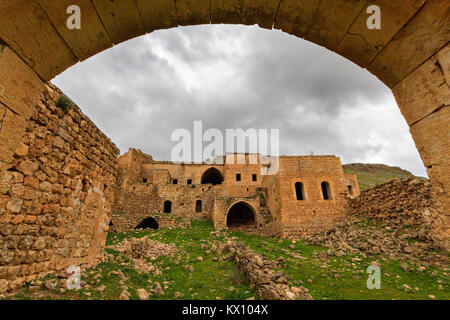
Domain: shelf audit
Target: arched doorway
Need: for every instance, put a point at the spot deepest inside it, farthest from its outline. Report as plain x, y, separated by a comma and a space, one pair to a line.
148, 223
213, 176
167, 206
240, 215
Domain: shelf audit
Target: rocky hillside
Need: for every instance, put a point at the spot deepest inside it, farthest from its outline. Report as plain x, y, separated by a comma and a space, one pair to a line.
370, 175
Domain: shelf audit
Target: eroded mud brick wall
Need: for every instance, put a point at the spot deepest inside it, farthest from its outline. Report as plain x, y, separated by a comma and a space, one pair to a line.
56, 193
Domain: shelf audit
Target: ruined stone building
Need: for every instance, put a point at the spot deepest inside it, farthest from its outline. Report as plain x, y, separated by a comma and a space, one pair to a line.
305, 195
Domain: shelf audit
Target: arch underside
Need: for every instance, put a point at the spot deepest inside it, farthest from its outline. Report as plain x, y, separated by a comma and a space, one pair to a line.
148, 223
241, 215
213, 176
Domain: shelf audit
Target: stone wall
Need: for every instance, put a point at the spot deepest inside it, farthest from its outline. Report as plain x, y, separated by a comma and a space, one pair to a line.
409, 202
55, 194
300, 218
147, 184
262, 278
122, 223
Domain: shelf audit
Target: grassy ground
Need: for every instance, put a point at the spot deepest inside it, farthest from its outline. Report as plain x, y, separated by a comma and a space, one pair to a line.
341, 277
371, 175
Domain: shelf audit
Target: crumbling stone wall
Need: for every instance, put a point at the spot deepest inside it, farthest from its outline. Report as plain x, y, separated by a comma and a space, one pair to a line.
148, 184
122, 223
56, 194
409, 202
262, 278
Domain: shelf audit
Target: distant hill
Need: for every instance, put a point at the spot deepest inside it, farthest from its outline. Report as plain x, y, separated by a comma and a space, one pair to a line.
370, 175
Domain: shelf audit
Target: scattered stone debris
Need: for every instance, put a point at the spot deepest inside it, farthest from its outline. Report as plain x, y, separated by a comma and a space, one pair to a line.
395, 218
142, 294
267, 283
135, 248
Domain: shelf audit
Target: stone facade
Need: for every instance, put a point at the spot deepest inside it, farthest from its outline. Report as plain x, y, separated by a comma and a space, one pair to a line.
56, 194
291, 202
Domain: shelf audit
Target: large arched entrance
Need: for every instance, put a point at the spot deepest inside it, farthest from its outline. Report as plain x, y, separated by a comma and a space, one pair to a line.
148, 223
213, 176
241, 215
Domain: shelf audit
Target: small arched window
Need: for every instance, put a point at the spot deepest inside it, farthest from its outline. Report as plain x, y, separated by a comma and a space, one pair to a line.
167, 206
198, 206
299, 191
326, 191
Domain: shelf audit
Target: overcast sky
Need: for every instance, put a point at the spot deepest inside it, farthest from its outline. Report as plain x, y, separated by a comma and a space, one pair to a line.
138, 92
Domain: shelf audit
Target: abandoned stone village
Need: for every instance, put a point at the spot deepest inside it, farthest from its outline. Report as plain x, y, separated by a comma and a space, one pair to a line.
67, 186
64, 184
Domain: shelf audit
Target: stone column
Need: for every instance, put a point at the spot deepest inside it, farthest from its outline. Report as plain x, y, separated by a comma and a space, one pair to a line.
423, 98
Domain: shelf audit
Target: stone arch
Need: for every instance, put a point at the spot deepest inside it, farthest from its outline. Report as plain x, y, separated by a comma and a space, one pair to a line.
148, 223
241, 214
213, 176
410, 54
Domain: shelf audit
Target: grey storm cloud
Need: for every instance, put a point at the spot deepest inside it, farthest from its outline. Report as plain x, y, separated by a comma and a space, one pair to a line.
138, 92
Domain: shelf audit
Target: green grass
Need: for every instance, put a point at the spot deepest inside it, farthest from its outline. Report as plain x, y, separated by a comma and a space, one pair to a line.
211, 279
352, 276
65, 103
373, 175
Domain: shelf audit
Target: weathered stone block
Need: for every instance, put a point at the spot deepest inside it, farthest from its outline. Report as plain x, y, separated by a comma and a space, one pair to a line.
157, 14
27, 29
362, 44
121, 19
294, 17
424, 35
85, 42
331, 21
192, 12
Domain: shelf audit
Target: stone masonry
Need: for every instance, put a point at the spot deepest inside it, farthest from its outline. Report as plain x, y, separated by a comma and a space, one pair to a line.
56, 194
291, 202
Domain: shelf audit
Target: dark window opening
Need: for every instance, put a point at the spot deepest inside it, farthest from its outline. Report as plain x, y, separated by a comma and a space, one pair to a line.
241, 215
198, 206
167, 206
350, 190
254, 177
238, 177
175, 181
326, 191
144, 180
148, 223
213, 176
189, 181
299, 191
112, 229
